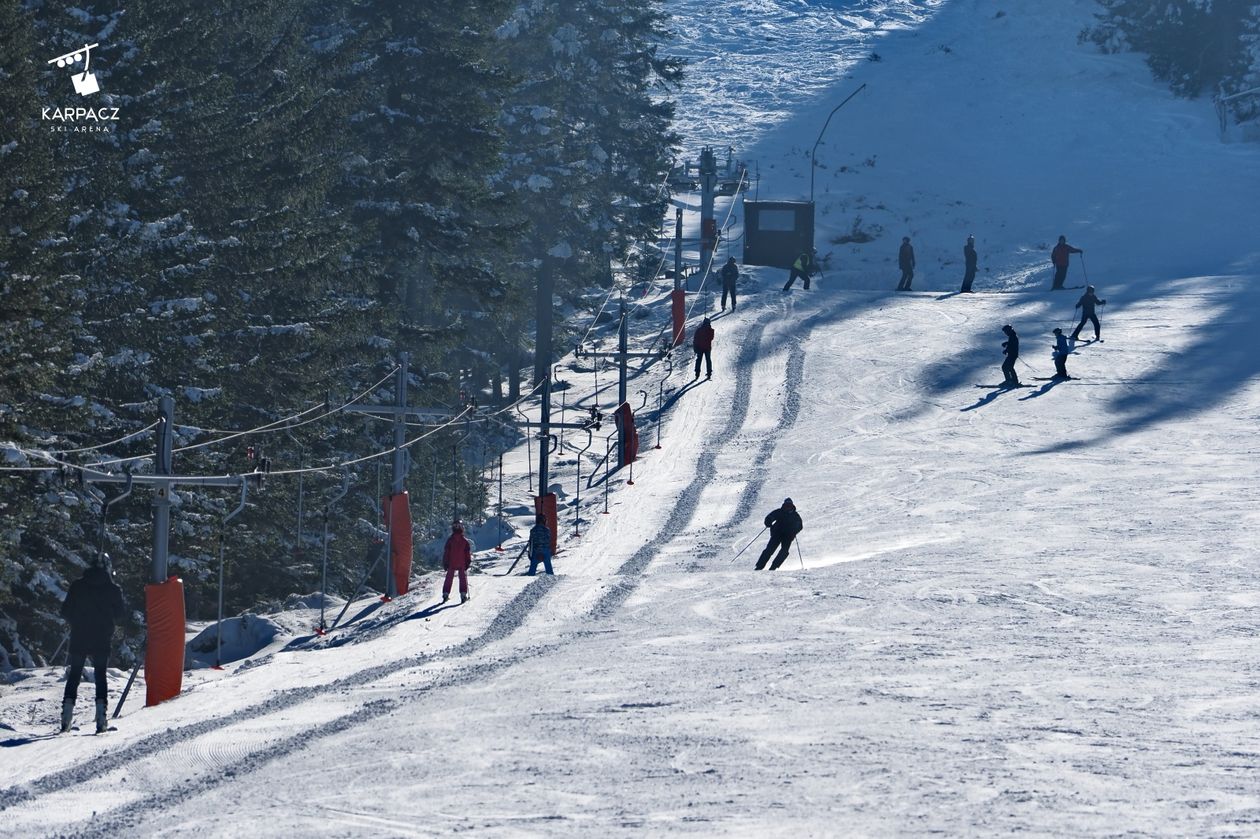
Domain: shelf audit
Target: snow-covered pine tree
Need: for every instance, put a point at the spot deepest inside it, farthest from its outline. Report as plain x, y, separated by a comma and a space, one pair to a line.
424, 141
1248, 76
37, 533
214, 264
587, 133
1193, 45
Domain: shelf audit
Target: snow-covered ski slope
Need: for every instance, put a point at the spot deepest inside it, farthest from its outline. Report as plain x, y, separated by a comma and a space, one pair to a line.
1028, 610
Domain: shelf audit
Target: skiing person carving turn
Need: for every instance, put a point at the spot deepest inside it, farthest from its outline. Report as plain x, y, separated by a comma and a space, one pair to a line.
784, 524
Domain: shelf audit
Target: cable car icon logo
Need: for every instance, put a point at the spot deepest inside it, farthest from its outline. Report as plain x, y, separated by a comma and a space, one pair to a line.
84, 83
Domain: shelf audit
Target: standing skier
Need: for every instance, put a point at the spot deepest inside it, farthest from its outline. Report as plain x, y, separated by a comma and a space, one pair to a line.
539, 546
969, 256
803, 267
1059, 258
1010, 351
456, 558
702, 343
1086, 304
730, 274
905, 261
784, 524
1061, 351
93, 605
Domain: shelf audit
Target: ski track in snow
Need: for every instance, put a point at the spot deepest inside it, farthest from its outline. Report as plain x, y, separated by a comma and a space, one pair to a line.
507, 620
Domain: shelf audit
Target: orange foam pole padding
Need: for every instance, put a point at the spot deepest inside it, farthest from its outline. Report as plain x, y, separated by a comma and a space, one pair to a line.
164, 653
397, 509
678, 299
629, 436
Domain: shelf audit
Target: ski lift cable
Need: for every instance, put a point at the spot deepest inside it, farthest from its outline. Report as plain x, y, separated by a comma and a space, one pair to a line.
595, 320
344, 463
513, 405
287, 424
331, 467
200, 429
729, 211
122, 439
282, 424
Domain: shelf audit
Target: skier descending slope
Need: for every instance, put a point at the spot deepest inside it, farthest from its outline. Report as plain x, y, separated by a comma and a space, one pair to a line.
784, 524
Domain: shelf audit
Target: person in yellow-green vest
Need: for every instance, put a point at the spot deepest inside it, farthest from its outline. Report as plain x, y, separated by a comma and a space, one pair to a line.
803, 267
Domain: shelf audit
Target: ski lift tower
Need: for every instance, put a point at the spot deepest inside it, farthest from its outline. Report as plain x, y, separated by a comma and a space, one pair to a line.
708, 222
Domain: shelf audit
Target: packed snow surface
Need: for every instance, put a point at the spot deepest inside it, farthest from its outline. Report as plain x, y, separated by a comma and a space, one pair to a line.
1024, 610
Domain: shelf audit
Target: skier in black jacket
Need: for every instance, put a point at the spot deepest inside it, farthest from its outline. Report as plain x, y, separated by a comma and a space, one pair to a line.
905, 261
1010, 350
784, 524
92, 607
730, 274
969, 256
1086, 304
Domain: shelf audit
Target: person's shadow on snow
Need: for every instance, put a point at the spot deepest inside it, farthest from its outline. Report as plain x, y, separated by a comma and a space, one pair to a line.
676, 395
987, 398
1043, 390
429, 612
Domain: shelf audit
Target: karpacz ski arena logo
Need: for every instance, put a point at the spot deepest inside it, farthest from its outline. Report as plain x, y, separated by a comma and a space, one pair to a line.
79, 118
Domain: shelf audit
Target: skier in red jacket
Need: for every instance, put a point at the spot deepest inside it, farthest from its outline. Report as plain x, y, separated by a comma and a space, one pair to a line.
457, 556
702, 343
1059, 258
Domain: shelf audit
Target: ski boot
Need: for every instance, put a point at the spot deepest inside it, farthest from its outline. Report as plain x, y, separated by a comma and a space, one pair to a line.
463, 598
102, 725
67, 714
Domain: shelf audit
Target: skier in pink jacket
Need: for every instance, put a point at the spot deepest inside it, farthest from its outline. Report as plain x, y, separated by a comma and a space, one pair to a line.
457, 556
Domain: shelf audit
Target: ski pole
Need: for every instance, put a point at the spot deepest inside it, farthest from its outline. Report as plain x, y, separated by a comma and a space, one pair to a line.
518, 559
749, 545
127, 689
798, 555
1083, 271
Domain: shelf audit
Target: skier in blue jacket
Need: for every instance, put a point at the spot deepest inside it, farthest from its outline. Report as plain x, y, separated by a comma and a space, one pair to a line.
539, 546
1061, 351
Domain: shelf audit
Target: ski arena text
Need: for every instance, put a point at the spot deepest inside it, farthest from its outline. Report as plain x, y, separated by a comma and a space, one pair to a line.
80, 120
